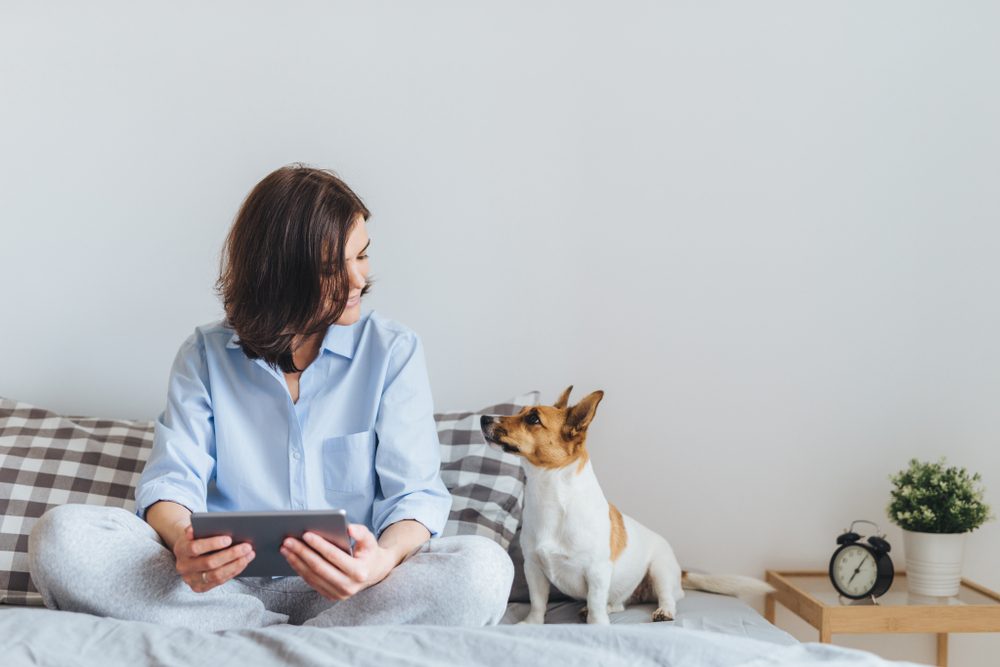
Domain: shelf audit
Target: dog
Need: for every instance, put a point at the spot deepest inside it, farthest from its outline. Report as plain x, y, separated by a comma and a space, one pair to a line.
574, 538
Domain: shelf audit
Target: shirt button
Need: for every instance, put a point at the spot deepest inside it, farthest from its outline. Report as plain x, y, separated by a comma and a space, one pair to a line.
295, 454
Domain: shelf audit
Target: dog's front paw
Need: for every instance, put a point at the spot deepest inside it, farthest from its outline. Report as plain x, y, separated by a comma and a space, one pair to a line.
598, 619
533, 619
662, 614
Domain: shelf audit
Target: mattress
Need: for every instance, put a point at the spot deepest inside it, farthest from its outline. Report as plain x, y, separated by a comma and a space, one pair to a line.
710, 631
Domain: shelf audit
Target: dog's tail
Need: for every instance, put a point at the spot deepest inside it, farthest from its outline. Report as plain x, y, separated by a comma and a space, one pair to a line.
726, 584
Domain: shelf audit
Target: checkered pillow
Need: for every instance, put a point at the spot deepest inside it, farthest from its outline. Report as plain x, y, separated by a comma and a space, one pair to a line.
47, 460
486, 484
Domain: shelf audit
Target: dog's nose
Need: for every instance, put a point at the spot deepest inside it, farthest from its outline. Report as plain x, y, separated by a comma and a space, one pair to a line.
485, 420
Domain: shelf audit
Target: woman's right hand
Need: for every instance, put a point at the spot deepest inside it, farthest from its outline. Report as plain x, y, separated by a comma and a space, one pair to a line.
195, 557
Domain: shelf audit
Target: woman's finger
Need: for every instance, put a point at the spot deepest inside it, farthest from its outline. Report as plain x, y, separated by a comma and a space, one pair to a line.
182, 545
363, 537
311, 578
223, 574
221, 558
334, 554
206, 544
212, 561
318, 564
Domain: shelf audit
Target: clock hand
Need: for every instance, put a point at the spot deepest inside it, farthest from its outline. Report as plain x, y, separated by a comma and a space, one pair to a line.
857, 570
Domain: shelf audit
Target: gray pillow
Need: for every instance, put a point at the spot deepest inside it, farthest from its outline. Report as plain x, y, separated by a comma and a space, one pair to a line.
47, 460
486, 483
488, 501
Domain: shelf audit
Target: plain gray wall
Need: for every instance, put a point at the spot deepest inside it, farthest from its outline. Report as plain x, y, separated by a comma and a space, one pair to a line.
768, 231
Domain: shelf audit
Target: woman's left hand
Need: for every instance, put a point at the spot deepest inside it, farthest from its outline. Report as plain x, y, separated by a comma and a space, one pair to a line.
333, 572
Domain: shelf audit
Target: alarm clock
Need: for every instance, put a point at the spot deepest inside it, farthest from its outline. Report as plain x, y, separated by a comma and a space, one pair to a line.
861, 569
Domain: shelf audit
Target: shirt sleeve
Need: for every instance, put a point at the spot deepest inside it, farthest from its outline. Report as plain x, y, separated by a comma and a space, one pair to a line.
182, 460
408, 454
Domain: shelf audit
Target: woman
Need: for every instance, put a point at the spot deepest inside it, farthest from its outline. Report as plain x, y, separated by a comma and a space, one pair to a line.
296, 400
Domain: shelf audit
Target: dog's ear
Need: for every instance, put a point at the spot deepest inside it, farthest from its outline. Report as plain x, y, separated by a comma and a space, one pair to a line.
564, 398
579, 416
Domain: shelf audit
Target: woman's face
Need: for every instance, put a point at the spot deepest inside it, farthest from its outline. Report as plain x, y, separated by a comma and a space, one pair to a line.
356, 262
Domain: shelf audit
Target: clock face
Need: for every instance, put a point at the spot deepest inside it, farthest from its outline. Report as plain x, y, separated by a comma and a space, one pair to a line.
855, 570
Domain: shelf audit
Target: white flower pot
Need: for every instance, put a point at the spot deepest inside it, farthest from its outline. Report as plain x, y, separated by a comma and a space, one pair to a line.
933, 562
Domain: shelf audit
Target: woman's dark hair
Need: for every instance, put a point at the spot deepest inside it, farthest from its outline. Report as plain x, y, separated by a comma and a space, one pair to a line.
282, 270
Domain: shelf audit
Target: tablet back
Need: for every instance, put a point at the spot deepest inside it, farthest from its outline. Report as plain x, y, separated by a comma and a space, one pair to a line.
267, 530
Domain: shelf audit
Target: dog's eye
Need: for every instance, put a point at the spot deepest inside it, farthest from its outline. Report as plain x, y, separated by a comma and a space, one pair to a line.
532, 418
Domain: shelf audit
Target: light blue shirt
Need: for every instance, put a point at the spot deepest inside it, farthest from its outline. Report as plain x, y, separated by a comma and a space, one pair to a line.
361, 437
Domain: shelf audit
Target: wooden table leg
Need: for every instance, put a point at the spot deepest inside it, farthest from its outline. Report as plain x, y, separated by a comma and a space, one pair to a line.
942, 649
769, 608
824, 630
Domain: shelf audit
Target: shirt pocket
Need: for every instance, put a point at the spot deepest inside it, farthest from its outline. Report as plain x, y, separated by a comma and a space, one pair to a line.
349, 462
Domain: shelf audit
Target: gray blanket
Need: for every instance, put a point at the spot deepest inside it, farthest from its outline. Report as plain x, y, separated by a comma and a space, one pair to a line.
705, 634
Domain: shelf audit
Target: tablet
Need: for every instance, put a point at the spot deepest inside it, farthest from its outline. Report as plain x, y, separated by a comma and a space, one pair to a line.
267, 530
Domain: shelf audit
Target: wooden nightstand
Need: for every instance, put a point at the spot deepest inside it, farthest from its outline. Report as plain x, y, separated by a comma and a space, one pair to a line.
811, 596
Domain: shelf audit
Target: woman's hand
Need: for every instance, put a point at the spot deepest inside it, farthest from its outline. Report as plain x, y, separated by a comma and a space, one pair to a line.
331, 571
204, 572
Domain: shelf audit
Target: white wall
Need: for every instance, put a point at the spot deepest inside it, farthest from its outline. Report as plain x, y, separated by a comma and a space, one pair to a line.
767, 230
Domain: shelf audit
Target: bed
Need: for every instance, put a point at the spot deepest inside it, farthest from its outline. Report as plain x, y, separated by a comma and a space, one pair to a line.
710, 631
47, 459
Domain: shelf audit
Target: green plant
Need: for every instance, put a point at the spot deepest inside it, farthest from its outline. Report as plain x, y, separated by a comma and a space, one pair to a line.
931, 498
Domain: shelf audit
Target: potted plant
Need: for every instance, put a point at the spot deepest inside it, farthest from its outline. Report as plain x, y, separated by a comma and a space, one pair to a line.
936, 506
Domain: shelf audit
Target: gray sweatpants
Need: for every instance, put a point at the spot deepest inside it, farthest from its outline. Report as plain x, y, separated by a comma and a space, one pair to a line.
108, 562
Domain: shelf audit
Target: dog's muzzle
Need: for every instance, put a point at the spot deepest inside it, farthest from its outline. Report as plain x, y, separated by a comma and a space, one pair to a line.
494, 433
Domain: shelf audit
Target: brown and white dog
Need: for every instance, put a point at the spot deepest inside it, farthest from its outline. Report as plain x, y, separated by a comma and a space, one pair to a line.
574, 538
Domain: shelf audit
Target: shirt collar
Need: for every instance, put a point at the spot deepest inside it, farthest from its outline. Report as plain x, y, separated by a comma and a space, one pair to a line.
339, 339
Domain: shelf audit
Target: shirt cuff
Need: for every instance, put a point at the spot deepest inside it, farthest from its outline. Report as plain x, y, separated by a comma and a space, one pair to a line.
428, 512
157, 492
